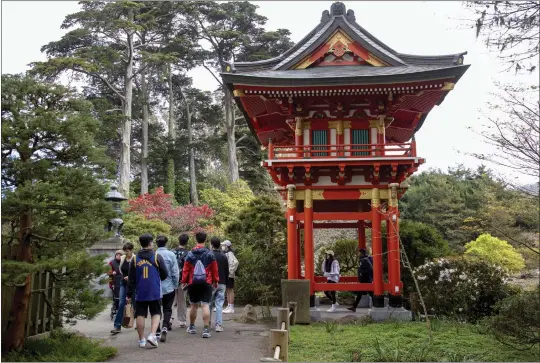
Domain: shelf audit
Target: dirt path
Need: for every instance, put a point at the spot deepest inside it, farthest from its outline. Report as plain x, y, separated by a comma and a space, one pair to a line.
238, 343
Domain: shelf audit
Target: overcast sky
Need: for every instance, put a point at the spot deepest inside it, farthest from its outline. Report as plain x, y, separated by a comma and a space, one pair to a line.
422, 27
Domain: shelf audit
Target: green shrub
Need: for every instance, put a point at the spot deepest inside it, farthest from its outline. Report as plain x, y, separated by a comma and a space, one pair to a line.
531, 258
257, 233
227, 204
62, 346
136, 224
461, 288
495, 251
518, 320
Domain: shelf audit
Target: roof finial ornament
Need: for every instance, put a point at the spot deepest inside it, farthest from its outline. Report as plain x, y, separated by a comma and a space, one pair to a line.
325, 18
350, 15
337, 9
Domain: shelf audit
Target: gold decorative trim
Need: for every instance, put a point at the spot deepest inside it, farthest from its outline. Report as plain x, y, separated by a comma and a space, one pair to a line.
346, 124
306, 125
308, 201
238, 93
291, 204
448, 86
384, 193
333, 124
298, 129
374, 124
375, 198
368, 194
299, 195
339, 128
317, 194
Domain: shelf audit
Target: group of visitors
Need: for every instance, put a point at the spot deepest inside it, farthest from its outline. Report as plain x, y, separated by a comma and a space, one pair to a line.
153, 279
330, 269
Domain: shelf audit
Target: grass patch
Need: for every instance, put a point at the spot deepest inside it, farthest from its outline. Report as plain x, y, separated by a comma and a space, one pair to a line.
62, 346
404, 342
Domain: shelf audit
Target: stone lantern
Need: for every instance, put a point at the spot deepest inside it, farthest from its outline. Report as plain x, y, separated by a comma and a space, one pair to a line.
116, 198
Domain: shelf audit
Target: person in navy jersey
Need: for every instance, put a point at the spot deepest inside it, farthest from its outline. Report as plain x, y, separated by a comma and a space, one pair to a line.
146, 271
199, 281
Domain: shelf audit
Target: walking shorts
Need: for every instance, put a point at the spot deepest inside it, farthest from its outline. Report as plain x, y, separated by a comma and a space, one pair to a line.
142, 307
200, 293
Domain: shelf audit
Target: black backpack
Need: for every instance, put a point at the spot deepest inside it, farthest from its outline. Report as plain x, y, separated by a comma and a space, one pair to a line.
181, 255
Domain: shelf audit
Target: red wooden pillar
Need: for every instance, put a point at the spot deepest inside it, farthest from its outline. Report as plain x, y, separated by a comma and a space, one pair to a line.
376, 242
394, 262
309, 251
298, 136
361, 235
298, 252
291, 233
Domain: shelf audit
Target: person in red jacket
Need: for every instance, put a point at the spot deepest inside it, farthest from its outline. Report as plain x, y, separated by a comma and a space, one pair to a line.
199, 274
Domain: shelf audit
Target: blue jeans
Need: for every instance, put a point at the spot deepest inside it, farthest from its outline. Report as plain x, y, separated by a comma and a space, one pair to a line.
121, 306
218, 298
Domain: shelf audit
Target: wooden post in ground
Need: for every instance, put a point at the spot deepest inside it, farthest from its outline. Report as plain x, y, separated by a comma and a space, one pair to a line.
279, 338
292, 308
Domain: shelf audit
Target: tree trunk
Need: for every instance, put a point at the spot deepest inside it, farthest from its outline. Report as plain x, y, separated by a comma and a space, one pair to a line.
170, 161
193, 195
231, 139
125, 152
144, 158
15, 335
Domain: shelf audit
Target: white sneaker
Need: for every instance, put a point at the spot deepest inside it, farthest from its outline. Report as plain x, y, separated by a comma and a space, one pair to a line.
218, 328
152, 339
214, 309
226, 309
229, 311
332, 309
183, 324
142, 343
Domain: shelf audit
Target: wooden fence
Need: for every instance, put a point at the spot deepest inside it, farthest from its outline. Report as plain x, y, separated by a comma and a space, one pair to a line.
40, 317
280, 337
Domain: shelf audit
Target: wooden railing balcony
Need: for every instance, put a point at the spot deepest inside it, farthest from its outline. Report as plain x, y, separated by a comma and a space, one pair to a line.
347, 151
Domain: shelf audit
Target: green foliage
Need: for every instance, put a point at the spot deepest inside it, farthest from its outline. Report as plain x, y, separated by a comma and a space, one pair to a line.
461, 288
495, 251
462, 204
53, 173
421, 243
531, 258
136, 224
346, 252
257, 232
404, 342
62, 346
517, 322
226, 204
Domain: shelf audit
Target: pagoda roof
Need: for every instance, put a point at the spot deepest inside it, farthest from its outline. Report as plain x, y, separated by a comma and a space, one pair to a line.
384, 64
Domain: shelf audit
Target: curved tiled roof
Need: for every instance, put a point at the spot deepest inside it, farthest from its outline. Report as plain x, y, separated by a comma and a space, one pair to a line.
339, 18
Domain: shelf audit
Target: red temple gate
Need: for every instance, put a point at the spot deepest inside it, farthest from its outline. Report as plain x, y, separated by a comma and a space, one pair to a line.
338, 113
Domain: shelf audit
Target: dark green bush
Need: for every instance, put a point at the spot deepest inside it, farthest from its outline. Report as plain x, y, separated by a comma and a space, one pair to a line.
518, 320
258, 235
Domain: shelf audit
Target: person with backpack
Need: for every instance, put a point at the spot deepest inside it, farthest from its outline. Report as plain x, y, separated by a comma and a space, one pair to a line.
218, 295
233, 271
146, 271
330, 269
181, 252
365, 275
124, 270
168, 286
199, 275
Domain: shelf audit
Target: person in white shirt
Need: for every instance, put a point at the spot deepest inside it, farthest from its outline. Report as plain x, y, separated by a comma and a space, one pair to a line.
330, 269
233, 267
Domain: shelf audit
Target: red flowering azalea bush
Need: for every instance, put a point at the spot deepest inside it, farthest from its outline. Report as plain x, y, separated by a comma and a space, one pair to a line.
159, 205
